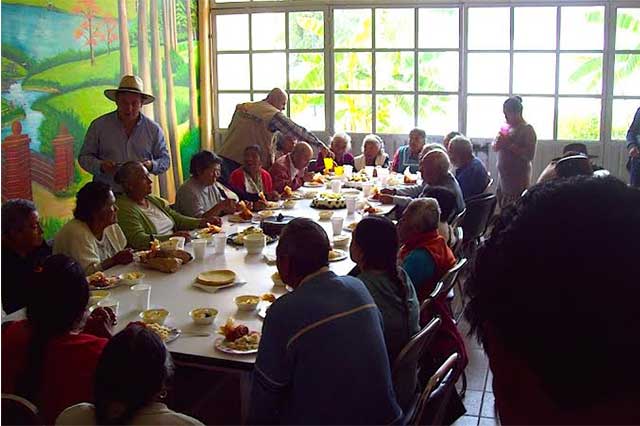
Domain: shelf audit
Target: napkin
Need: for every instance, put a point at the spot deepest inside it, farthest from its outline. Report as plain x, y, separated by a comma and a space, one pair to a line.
213, 289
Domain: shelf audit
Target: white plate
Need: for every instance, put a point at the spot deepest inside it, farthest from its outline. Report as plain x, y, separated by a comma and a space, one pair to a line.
174, 333
222, 348
314, 185
343, 255
117, 282
234, 218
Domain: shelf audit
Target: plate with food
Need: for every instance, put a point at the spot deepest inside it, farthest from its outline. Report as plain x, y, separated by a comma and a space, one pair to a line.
369, 209
313, 184
236, 218
329, 200
337, 255
237, 238
207, 232
351, 227
237, 339
165, 333
100, 281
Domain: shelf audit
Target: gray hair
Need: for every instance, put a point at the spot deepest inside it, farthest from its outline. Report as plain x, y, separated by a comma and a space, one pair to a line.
375, 139
431, 147
461, 143
126, 172
422, 214
344, 136
15, 214
440, 160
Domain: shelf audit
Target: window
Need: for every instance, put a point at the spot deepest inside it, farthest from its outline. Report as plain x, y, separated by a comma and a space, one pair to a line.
395, 67
256, 52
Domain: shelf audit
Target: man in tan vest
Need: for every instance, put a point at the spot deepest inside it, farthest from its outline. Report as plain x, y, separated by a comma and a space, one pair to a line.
254, 123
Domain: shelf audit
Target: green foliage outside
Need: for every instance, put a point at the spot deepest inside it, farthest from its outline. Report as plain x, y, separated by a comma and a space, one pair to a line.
306, 30
189, 145
11, 112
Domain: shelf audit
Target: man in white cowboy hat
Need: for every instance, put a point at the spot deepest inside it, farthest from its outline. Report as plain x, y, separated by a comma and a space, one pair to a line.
124, 135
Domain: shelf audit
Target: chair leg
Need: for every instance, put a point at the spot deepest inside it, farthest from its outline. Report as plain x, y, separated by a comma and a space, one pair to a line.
463, 391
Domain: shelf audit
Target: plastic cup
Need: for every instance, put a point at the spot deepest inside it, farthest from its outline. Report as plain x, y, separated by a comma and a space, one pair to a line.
366, 189
199, 248
179, 242
337, 222
383, 175
336, 185
219, 243
328, 163
141, 296
350, 200
348, 170
113, 304
369, 171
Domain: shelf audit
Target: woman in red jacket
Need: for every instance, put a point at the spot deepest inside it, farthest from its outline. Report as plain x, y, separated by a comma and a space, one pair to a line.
251, 179
49, 359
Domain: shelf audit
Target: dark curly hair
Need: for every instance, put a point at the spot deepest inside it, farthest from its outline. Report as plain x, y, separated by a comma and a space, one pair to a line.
90, 199
556, 283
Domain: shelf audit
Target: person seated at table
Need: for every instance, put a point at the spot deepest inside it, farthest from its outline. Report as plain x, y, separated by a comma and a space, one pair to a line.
427, 148
144, 217
284, 144
447, 139
251, 179
447, 203
48, 358
93, 238
434, 168
290, 170
374, 249
299, 376
340, 147
202, 194
573, 167
522, 306
372, 153
409, 155
23, 251
131, 380
471, 174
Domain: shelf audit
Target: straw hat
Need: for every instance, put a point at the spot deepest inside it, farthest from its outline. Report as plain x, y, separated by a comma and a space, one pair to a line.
131, 84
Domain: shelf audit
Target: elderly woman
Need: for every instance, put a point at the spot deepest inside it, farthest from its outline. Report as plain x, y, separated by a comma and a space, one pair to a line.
251, 179
92, 237
131, 380
144, 217
340, 147
374, 248
49, 358
516, 146
372, 153
409, 155
202, 194
447, 203
284, 144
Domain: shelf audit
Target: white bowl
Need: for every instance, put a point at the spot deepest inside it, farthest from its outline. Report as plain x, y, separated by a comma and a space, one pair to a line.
247, 302
154, 316
341, 241
203, 316
289, 204
254, 243
325, 215
132, 278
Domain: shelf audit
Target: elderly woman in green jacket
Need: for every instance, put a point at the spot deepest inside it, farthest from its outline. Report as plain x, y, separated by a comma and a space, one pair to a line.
144, 217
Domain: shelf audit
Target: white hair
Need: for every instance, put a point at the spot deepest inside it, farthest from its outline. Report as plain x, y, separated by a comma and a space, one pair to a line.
430, 147
422, 214
344, 136
375, 139
440, 160
462, 143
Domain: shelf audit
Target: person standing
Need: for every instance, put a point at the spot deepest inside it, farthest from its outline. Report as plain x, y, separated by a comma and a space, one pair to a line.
633, 145
516, 147
254, 123
124, 135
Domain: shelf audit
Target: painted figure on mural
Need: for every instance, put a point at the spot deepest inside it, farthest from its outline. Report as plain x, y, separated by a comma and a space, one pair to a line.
125, 134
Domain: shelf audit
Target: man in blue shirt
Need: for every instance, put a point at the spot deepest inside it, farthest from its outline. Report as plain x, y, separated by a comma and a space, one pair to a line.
124, 135
322, 357
470, 172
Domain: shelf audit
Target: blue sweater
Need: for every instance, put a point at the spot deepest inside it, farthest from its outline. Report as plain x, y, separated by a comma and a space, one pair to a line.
472, 178
322, 358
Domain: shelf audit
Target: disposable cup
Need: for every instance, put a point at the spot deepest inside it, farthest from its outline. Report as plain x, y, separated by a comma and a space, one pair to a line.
219, 243
199, 248
336, 223
348, 170
179, 242
369, 171
336, 185
141, 296
366, 189
351, 200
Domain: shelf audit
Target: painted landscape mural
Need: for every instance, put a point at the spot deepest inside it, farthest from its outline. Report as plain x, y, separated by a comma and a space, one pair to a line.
57, 59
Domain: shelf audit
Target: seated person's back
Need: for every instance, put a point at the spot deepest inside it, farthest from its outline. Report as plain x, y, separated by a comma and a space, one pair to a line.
322, 357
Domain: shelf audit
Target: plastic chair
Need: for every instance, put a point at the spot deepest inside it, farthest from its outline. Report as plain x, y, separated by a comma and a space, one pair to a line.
480, 210
457, 221
410, 355
459, 235
18, 411
435, 396
489, 183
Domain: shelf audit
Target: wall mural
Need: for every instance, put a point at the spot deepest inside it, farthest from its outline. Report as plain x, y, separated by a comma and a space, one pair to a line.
57, 59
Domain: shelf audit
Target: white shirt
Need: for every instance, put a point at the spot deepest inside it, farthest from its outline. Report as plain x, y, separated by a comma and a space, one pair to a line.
162, 222
155, 413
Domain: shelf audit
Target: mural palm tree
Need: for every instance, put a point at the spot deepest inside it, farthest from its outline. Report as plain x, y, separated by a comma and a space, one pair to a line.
144, 68
125, 51
193, 97
171, 104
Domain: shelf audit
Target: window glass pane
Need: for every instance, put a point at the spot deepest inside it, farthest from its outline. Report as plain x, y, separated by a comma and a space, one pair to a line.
394, 113
306, 71
627, 75
233, 71
353, 71
488, 73
534, 28
230, 1
438, 28
582, 28
489, 28
232, 32
438, 71
269, 70
227, 105
578, 119
267, 31
352, 28
628, 28
394, 70
394, 28
353, 113
306, 30
534, 73
438, 115
623, 112
484, 116
580, 74
258, 96
307, 110
538, 112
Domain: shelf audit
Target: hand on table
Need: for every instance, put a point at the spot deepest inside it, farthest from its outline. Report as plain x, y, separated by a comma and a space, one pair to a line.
326, 152
258, 205
100, 323
308, 176
224, 207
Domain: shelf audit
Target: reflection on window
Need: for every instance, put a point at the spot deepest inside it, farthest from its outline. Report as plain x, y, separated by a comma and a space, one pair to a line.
580, 74
353, 71
438, 71
306, 30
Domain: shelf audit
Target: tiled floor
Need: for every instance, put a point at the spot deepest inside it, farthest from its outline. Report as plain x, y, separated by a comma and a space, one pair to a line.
478, 399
